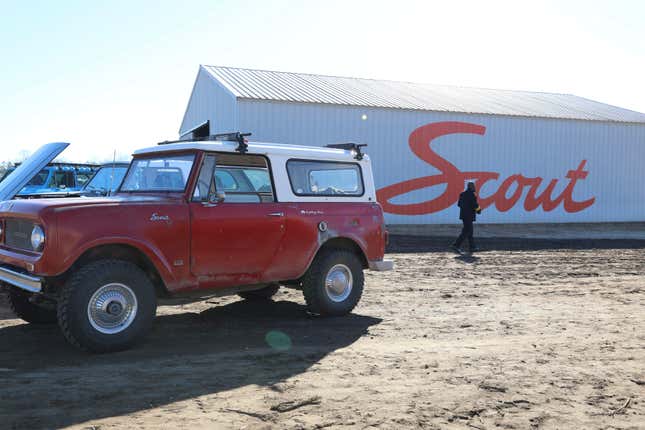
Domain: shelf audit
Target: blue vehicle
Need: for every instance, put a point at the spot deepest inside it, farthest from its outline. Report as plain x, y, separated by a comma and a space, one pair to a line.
57, 180
106, 180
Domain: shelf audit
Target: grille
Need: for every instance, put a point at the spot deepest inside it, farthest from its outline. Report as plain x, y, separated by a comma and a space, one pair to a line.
18, 234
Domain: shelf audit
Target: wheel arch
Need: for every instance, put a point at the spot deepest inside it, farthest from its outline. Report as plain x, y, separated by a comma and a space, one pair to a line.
345, 243
124, 252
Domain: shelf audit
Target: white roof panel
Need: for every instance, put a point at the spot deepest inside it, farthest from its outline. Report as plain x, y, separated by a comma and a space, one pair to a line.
253, 148
307, 88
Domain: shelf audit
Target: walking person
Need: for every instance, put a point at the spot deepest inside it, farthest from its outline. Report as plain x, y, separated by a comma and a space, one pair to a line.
468, 210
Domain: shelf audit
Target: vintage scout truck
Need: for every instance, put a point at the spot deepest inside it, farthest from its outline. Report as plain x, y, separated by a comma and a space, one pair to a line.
194, 219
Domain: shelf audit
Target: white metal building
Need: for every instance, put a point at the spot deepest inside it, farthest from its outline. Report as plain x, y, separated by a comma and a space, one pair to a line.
536, 157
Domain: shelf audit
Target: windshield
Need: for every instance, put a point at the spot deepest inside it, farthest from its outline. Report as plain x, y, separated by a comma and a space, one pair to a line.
107, 179
169, 173
40, 178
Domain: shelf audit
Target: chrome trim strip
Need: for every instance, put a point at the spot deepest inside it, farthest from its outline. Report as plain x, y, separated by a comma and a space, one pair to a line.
20, 280
382, 265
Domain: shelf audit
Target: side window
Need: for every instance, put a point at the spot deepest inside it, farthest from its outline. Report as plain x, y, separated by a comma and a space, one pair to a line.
244, 185
224, 181
242, 178
260, 180
325, 178
62, 179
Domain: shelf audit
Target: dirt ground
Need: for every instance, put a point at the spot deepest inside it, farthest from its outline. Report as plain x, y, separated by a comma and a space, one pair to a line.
523, 335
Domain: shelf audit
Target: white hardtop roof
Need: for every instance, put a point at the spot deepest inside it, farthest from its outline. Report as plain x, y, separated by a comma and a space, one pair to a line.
259, 148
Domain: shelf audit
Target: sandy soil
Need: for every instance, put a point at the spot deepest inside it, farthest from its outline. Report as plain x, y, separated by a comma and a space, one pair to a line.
520, 336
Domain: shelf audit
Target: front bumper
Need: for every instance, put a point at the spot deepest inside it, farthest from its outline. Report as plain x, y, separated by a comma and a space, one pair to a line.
26, 282
381, 265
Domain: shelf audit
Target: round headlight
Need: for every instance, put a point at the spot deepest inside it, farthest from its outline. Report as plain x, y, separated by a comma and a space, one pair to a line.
37, 238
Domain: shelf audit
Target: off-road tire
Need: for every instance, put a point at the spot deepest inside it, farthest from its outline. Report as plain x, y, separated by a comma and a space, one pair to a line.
263, 294
28, 311
73, 316
313, 283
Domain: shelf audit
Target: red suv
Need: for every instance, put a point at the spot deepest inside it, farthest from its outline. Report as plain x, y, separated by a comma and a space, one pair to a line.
192, 219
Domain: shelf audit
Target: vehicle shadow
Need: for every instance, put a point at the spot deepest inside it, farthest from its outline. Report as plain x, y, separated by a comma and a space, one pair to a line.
48, 384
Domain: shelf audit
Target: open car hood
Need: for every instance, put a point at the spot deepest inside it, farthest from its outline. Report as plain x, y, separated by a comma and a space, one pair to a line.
17, 179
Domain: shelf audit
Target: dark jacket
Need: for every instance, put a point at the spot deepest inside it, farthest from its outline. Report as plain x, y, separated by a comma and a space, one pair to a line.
468, 206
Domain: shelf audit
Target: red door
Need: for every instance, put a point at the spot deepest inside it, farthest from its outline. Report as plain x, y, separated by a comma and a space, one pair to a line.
235, 238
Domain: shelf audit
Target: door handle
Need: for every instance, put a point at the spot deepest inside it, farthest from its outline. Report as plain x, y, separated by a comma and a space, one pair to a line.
276, 214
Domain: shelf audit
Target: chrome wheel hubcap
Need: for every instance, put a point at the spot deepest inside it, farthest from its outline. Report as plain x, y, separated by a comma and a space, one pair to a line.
112, 308
338, 283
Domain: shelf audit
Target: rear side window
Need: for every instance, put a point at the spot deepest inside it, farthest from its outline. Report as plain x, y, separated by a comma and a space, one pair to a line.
325, 178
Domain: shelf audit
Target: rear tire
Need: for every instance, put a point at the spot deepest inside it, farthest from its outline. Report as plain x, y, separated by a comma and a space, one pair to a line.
262, 294
333, 285
28, 311
106, 306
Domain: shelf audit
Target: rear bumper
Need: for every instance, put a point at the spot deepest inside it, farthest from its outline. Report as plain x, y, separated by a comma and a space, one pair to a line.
25, 282
381, 265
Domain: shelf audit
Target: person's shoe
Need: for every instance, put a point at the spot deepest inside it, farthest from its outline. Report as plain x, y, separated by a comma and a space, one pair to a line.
457, 249
475, 249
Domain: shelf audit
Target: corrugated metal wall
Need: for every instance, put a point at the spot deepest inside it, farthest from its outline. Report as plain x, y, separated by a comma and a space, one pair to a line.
531, 147
210, 101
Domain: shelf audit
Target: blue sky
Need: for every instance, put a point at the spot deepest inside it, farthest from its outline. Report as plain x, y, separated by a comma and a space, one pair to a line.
116, 75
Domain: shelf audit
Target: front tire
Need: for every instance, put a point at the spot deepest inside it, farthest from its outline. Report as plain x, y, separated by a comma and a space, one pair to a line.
107, 306
333, 285
28, 311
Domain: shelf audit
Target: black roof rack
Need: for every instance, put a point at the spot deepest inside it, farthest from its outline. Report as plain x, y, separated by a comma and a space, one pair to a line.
349, 146
236, 136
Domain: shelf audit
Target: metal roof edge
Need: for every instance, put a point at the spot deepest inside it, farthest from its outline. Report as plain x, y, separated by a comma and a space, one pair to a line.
250, 99
218, 80
392, 81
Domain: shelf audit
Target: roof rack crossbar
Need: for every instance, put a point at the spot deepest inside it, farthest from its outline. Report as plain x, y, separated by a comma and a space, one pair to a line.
238, 137
350, 146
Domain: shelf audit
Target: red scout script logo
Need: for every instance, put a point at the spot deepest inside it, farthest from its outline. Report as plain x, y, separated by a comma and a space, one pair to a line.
453, 178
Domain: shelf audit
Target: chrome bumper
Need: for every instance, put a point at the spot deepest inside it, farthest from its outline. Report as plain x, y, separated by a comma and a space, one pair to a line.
20, 280
381, 265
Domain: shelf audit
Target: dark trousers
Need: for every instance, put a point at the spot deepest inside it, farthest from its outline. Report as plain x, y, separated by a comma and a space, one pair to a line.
466, 233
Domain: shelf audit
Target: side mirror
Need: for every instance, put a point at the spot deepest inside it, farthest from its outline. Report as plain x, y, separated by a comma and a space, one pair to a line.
217, 197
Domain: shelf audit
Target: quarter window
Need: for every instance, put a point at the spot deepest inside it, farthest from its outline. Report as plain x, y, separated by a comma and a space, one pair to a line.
325, 178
